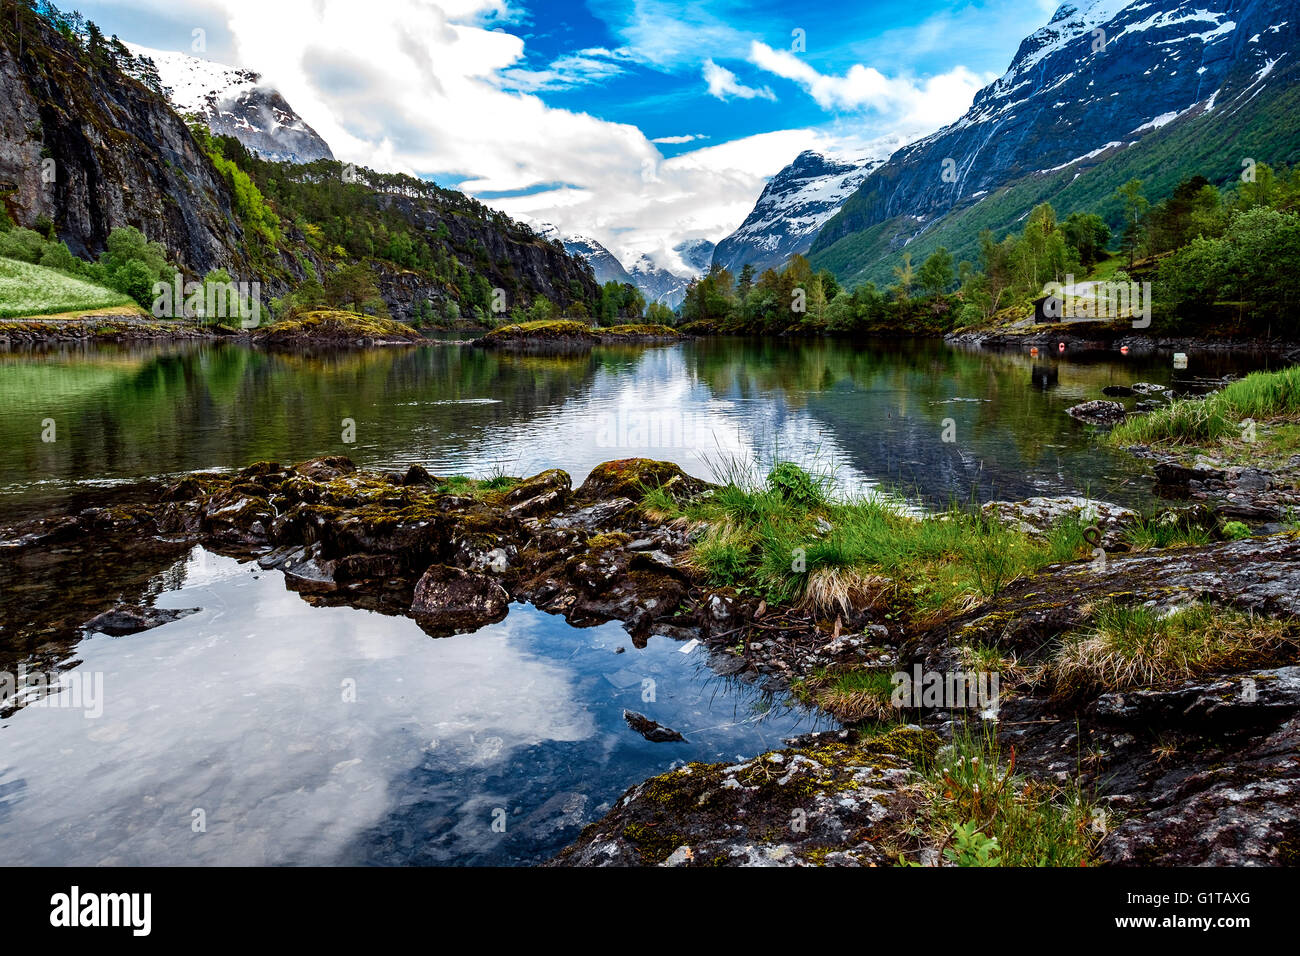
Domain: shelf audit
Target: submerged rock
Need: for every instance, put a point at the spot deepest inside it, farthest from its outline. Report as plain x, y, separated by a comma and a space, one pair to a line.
132, 619
651, 730
1098, 412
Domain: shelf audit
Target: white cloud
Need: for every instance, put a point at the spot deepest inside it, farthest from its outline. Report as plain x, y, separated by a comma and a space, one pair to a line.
569, 71
678, 140
442, 90
704, 193
429, 89
724, 85
928, 103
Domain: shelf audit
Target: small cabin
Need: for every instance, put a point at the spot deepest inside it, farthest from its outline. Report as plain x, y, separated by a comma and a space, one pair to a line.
1043, 312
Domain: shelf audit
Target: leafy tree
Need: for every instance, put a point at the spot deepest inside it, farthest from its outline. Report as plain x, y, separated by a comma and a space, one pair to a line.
1088, 235
935, 276
1135, 207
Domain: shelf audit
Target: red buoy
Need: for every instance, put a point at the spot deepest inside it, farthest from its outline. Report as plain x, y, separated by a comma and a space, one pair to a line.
1060, 347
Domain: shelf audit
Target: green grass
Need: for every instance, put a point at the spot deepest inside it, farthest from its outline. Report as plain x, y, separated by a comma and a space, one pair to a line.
1149, 533
972, 789
1260, 396
790, 540
852, 697
1138, 646
31, 290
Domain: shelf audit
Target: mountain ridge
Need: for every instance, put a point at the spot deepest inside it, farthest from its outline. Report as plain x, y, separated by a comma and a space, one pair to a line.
1064, 104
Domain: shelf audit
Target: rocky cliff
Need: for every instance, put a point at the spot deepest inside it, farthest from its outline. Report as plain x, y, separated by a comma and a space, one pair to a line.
92, 149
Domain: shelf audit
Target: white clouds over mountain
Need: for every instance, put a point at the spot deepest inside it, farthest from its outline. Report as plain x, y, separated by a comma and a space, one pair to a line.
928, 103
445, 89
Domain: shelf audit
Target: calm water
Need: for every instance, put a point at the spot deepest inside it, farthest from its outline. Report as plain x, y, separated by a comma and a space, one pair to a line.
263, 730
869, 413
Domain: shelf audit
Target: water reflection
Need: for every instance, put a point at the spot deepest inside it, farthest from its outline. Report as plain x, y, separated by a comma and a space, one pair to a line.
872, 412
300, 735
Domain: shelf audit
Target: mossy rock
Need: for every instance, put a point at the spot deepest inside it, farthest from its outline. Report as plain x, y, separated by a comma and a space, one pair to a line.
336, 329
832, 803
633, 477
639, 333
549, 336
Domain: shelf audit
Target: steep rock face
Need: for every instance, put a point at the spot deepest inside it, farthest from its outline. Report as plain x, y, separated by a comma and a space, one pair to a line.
791, 210
512, 256
1070, 98
116, 153
236, 103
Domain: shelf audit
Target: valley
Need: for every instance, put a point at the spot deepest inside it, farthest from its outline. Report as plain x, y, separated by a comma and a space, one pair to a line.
449, 461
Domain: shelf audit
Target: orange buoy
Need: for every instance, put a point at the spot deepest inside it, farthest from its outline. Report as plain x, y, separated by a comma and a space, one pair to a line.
1033, 350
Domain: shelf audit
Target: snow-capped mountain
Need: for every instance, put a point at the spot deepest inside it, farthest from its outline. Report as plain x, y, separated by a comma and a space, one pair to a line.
792, 208
603, 262
657, 283
235, 103
1098, 77
696, 255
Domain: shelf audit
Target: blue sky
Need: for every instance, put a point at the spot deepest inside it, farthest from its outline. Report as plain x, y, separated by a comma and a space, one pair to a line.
641, 122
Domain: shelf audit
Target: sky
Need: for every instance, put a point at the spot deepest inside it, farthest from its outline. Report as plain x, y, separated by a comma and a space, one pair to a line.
641, 123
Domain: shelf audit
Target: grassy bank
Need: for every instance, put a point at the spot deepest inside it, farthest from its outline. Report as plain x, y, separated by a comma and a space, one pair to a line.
790, 540
1264, 398
980, 813
28, 290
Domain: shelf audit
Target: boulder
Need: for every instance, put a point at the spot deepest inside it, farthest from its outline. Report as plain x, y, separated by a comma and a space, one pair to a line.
1037, 516
326, 469
632, 477
1097, 412
454, 601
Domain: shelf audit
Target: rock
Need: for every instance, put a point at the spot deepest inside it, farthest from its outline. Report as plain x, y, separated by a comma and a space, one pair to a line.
1172, 473
541, 494
132, 619
1117, 391
418, 475
453, 601
1037, 516
1148, 388
830, 803
651, 730
1097, 412
601, 516
326, 469
632, 477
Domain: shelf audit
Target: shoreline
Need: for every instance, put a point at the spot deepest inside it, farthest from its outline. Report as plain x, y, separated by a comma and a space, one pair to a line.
455, 553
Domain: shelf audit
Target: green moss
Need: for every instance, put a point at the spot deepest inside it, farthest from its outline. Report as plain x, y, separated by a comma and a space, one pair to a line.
329, 326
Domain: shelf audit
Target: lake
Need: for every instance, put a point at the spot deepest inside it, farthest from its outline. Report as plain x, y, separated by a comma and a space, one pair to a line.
262, 730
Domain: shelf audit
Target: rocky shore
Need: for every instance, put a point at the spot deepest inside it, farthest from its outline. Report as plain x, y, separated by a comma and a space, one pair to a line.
1094, 337
1202, 768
